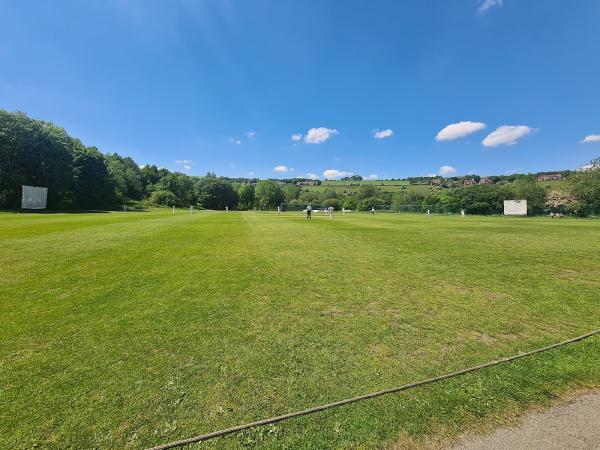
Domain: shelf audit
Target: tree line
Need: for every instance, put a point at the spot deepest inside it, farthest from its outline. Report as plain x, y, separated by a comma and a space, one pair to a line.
38, 153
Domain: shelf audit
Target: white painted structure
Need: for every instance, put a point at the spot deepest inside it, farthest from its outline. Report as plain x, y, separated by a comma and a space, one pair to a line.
515, 207
34, 197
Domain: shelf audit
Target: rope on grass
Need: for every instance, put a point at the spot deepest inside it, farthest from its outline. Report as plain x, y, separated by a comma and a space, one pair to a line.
316, 409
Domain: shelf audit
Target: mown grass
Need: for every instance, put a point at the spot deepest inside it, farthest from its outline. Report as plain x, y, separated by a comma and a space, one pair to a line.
131, 329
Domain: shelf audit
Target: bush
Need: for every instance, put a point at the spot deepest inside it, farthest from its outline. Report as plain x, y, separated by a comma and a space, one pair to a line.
334, 202
368, 203
163, 198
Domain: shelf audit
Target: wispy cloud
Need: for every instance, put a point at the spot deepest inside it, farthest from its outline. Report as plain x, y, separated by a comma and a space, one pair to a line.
334, 173
590, 138
186, 164
382, 134
235, 141
296, 137
459, 130
373, 177
485, 5
447, 170
319, 135
251, 134
312, 176
507, 135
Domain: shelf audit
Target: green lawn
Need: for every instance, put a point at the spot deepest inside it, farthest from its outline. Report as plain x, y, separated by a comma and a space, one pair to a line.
132, 329
358, 183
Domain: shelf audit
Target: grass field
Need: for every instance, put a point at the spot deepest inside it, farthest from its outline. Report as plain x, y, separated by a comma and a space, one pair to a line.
132, 329
358, 183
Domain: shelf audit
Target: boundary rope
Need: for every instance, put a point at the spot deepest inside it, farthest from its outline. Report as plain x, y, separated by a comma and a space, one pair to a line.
315, 409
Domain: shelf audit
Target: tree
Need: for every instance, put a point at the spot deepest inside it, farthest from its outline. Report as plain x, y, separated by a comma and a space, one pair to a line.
163, 198
366, 190
92, 184
268, 194
150, 176
180, 185
291, 192
214, 193
36, 153
367, 203
126, 177
586, 188
333, 202
246, 195
533, 192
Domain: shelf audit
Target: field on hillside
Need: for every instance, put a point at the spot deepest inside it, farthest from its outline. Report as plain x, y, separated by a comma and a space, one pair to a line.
387, 188
358, 183
126, 330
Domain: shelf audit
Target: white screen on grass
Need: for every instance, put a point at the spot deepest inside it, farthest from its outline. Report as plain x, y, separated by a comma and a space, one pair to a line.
515, 207
34, 197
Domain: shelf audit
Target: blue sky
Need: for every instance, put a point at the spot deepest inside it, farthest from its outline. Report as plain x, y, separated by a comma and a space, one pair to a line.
224, 85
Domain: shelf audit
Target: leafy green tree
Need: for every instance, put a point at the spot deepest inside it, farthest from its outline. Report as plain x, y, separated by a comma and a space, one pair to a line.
268, 194
215, 193
334, 202
36, 153
126, 176
291, 192
163, 198
366, 191
349, 202
366, 204
586, 188
246, 194
150, 175
92, 184
533, 192
180, 185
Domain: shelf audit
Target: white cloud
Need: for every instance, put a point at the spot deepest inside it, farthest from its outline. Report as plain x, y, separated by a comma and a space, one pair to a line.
590, 138
312, 176
432, 175
251, 173
319, 135
281, 169
250, 133
447, 170
507, 135
186, 164
484, 5
459, 130
373, 177
296, 137
235, 141
334, 173
382, 134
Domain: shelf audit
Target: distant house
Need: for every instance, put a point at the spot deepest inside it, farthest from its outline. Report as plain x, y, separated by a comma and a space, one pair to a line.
436, 181
549, 177
469, 182
306, 183
486, 180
